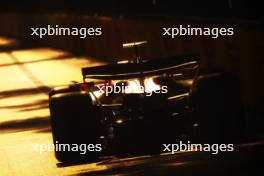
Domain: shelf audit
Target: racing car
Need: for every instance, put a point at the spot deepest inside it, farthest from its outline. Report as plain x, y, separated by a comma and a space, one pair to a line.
133, 108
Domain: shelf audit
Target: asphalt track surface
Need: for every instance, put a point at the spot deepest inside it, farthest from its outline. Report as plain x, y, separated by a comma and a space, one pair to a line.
26, 76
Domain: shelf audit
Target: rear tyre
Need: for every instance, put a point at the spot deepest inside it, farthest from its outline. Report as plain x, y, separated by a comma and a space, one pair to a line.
75, 122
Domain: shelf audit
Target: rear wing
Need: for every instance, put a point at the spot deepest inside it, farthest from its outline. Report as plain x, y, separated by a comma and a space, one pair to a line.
145, 68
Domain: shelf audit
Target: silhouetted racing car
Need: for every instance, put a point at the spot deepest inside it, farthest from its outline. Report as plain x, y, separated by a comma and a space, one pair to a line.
135, 108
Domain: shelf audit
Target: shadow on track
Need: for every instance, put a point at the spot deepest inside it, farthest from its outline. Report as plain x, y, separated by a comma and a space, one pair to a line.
24, 125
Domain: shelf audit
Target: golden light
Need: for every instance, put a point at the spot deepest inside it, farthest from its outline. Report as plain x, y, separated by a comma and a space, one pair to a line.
186, 82
123, 62
134, 87
150, 85
129, 45
6, 41
119, 121
37, 54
